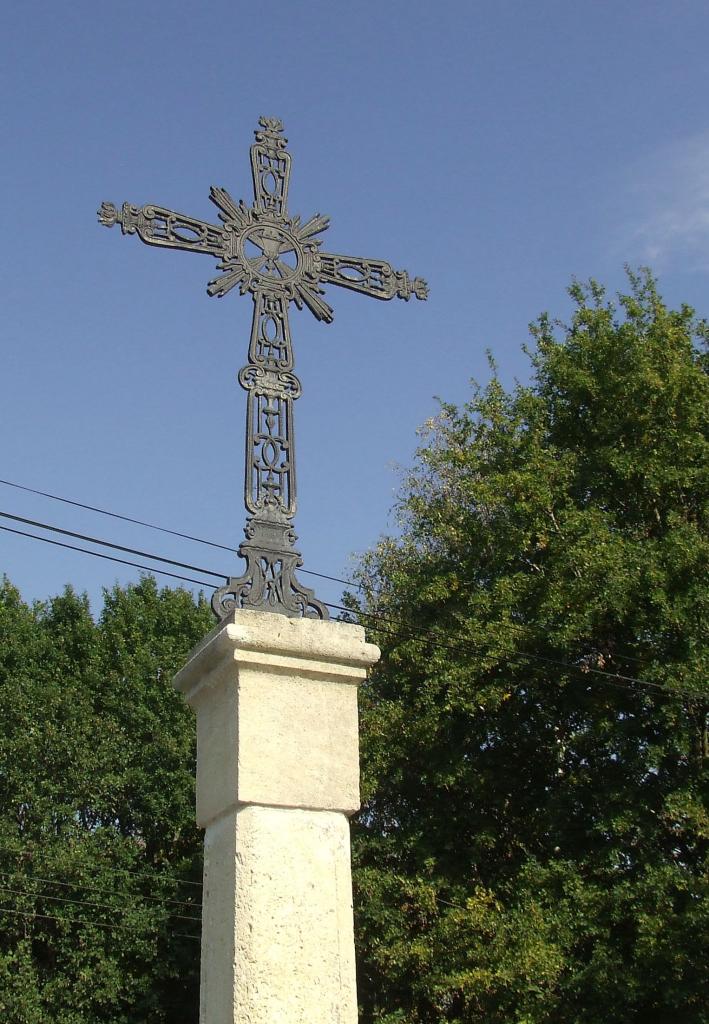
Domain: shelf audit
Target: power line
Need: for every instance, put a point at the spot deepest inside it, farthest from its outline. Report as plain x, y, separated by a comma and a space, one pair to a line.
161, 529
109, 558
211, 572
417, 635
153, 877
94, 888
158, 877
110, 544
447, 903
421, 637
91, 924
114, 515
84, 903
533, 631
199, 540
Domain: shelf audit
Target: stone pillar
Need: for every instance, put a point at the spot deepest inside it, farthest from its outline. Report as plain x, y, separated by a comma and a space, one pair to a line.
277, 776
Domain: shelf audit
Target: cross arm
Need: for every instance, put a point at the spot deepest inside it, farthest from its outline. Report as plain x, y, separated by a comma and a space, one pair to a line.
157, 225
370, 277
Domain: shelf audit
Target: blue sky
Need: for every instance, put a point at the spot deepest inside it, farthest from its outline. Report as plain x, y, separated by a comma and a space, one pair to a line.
494, 148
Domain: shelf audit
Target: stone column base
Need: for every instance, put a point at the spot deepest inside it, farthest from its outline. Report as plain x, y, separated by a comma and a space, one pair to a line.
277, 776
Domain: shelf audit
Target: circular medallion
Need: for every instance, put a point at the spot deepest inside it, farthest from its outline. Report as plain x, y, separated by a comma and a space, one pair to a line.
271, 253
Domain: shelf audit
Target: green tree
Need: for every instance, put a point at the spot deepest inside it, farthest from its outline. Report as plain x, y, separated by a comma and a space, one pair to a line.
97, 809
533, 841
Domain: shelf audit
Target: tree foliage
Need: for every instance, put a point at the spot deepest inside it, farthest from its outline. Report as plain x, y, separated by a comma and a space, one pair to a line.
97, 810
532, 847
533, 842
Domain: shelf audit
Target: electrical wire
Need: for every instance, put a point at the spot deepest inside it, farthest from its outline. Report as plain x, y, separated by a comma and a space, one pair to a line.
618, 652
158, 877
401, 630
94, 888
153, 877
91, 924
114, 515
419, 636
447, 903
161, 529
84, 903
108, 558
211, 572
201, 540
110, 544
416, 635
186, 536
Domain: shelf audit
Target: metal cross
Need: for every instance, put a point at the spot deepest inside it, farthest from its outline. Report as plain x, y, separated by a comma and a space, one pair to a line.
278, 260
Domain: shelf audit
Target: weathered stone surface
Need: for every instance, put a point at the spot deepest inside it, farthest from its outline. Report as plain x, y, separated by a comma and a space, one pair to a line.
283, 949
277, 774
276, 702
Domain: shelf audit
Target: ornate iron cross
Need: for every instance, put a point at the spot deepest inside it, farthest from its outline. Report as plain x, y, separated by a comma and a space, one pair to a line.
277, 259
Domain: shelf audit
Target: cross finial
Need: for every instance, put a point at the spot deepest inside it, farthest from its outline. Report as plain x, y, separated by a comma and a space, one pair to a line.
272, 129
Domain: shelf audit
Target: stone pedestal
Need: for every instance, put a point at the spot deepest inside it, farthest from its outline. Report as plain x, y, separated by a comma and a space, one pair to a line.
277, 776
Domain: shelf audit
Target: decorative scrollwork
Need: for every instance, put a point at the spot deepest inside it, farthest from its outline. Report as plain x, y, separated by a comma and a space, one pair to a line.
269, 582
270, 450
107, 214
277, 258
270, 332
270, 167
370, 277
271, 255
272, 131
268, 382
157, 225
270, 460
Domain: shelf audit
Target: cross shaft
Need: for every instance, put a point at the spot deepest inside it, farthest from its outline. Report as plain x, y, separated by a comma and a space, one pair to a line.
264, 251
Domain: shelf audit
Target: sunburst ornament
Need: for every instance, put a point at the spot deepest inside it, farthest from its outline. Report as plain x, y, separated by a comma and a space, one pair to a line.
278, 260
272, 252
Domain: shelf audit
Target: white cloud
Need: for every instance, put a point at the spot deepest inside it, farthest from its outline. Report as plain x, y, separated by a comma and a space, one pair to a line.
668, 207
